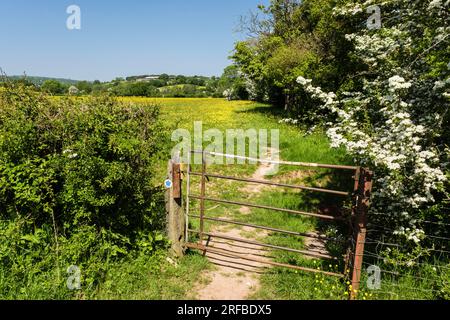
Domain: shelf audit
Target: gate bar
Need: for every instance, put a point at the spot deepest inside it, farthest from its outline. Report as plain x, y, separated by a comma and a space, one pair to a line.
269, 228
299, 164
341, 193
202, 200
317, 215
258, 252
277, 264
308, 253
188, 191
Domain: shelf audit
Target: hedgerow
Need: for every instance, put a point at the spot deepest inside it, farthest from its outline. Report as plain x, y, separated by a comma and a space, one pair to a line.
75, 189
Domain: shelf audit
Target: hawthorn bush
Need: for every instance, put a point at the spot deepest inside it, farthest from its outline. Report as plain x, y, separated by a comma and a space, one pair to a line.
75, 188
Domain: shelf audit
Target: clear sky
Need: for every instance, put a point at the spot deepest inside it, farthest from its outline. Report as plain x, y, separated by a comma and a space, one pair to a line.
119, 37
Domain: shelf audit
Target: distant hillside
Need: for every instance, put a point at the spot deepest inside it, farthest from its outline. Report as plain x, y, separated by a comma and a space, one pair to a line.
39, 80
146, 85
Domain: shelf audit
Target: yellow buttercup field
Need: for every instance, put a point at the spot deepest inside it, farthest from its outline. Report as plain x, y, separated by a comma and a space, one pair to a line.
213, 112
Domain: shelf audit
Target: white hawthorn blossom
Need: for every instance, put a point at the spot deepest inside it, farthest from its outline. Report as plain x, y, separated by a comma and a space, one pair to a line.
228, 93
397, 83
397, 145
435, 4
392, 147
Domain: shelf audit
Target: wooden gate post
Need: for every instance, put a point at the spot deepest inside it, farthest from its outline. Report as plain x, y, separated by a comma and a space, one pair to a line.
360, 227
174, 210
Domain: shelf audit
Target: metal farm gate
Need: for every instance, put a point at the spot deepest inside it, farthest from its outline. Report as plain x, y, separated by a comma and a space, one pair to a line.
357, 219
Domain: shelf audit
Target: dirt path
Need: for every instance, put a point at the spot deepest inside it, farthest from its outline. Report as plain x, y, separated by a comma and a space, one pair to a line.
236, 278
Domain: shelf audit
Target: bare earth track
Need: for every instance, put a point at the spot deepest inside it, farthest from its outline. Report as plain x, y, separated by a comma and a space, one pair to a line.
235, 278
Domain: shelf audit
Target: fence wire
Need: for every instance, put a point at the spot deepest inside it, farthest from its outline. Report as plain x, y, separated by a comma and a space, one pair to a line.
403, 271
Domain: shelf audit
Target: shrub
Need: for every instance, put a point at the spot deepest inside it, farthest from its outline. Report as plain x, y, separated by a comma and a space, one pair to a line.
75, 186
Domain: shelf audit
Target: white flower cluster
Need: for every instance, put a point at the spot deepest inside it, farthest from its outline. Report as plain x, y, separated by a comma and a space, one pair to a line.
70, 154
228, 93
393, 146
289, 121
328, 98
374, 49
405, 109
435, 4
390, 123
250, 86
415, 235
397, 83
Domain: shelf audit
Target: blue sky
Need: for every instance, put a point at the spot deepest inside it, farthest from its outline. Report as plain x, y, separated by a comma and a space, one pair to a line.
119, 37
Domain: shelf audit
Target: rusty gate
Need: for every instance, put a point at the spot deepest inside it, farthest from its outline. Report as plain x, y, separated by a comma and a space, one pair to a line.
356, 219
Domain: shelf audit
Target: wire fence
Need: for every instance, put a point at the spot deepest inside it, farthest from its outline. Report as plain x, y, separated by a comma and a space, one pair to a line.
406, 270
392, 267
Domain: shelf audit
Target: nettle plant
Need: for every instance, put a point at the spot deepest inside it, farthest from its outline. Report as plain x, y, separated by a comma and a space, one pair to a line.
396, 122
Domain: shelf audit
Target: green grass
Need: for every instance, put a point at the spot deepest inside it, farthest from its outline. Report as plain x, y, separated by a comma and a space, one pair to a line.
152, 279
141, 278
294, 146
280, 283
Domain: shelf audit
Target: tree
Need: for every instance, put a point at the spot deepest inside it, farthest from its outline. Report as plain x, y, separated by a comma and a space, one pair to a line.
53, 87
398, 121
233, 82
381, 89
295, 38
84, 87
164, 77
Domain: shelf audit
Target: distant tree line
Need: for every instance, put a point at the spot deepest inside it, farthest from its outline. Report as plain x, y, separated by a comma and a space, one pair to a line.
229, 85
